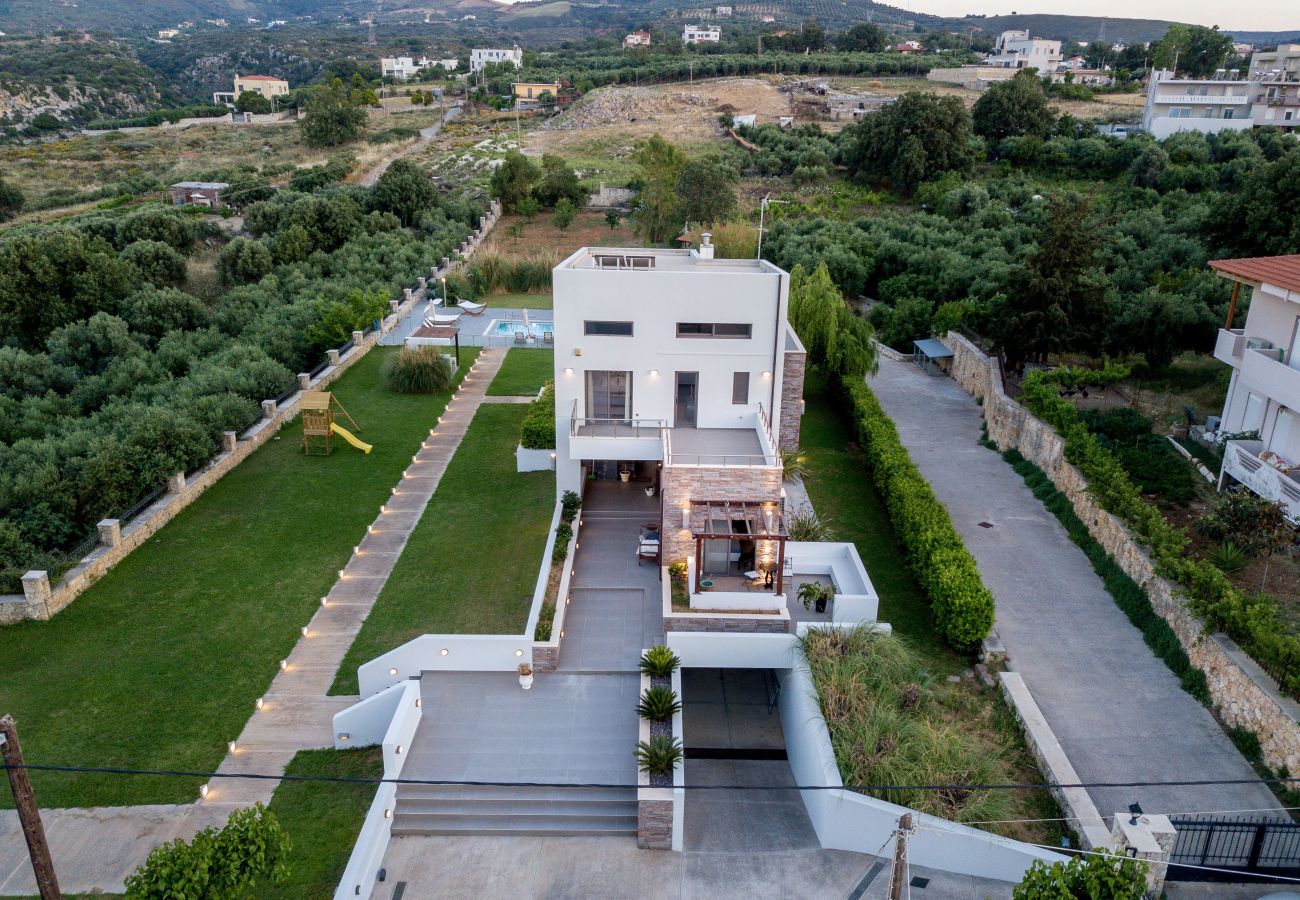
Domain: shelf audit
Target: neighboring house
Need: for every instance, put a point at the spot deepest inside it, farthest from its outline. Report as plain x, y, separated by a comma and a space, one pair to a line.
1243, 50
527, 94
451, 64
909, 47
768, 20
722, 11
197, 193
1264, 392
1275, 86
400, 67
1195, 104
1093, 77
681, 372
1017, 50
637, 39
700, 34
749, 120
268, 86
166, 34
487, 57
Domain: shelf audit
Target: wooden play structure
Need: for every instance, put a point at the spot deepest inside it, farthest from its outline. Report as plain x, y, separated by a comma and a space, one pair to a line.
319, 427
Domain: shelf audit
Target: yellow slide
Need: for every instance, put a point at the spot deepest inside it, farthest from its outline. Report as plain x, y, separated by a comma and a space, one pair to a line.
350, 438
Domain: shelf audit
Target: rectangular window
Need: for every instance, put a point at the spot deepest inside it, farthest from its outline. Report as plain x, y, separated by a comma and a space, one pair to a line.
607, 329
714, 330
609, 396
1253, 417
740, 388
1180, 112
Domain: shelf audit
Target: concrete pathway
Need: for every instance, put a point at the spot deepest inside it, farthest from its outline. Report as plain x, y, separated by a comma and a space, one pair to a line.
1116, 709
95, 849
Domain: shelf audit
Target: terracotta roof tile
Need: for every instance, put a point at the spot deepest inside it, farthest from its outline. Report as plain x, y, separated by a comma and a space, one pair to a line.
1283, 271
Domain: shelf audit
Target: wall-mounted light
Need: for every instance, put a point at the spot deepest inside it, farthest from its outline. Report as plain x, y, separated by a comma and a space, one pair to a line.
767, 375
417, 702
552, 456
686, 518
443, 652
568, 371
397, 751
654, 373
230, 745
519, 653
388, 814
392, 670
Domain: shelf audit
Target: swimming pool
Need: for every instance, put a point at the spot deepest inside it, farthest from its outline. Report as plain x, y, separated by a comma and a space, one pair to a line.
509, 327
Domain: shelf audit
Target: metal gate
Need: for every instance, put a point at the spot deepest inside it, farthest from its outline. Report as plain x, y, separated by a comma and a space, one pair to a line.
1251, 849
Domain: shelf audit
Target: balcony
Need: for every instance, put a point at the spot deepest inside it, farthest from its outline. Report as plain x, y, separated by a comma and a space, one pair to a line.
1229, 346
1203, 99
1263, 370
1241, 461
615, 438
723, 447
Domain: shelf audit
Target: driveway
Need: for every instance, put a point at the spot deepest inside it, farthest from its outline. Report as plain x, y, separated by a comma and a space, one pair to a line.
1117, 710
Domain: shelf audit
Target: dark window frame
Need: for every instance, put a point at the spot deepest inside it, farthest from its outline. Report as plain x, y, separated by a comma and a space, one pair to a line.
736, 381
588, 332
712, 333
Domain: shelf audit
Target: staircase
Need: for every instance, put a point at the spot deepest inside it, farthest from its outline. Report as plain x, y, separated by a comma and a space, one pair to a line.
449, 809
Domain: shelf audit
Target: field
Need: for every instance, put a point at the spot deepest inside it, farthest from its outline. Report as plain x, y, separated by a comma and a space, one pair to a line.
65, 176
1105, 107
589, 229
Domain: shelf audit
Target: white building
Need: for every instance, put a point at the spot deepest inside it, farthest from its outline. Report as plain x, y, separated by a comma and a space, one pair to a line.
675, 368
700, 34
480, 58
1017, 50
166, 34
1264, 392
722, 11
401, 67
636, 39
1195, 104
1275, 87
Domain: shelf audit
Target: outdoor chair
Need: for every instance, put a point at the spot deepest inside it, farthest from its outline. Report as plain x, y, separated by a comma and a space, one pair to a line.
474, 309
521, 337
548, 337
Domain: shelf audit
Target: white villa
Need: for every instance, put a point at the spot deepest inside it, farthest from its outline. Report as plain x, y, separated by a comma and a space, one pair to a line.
701, 34
1017, 50
1264, 393
479, 58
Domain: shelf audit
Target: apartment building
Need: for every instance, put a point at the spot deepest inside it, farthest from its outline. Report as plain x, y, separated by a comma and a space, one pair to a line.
1274, 77
1196, 104
479, 58
1017, 50
1264, 392
268, 86
679, 372
701, 34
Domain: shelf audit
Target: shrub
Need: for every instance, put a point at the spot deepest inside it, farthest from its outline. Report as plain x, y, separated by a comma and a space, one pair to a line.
570, 503
419, 370
545, 622
563, 535
244, 261
963, 607
658, 704
538, 429
794, 463
805, 525
659, 662
1251, 523
1085, 877
1229, 557
659, 756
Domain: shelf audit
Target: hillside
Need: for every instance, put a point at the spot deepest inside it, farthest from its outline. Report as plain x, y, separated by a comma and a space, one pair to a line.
1091, 28
28, 16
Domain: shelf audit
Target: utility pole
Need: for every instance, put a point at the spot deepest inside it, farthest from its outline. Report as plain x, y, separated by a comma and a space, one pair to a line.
690, 68
38, 850
899, 871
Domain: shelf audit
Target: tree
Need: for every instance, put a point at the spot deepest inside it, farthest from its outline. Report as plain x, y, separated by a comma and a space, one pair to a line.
1097, 876
559, 181
1017, 106
863, 38
914, 139
11, 201
564, 213
331, 116
1057, 299
405, 190
658, 205
706, 191
252, 102
244, 261
528, 207
513, 180
1198, 50
612, 218
153, 262
1263, 218
835, 339
220, 864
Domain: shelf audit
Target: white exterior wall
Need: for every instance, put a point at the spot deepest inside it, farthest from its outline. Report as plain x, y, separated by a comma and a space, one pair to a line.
480, 58
1205, 100
399, 67
682, 288
1275, 320
1017, 50
695, 34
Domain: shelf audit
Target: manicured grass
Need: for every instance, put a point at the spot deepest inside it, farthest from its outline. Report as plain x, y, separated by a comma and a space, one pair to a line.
471, 565
840, 487
523, 373
322, 819
158, 665
520, 301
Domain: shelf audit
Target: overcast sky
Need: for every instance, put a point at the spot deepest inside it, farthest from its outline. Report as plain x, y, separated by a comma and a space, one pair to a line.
1260, 15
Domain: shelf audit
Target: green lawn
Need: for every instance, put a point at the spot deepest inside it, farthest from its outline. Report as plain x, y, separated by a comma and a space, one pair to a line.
158, 664
322, 819
471, 564
520, 301
840, 487
523, 373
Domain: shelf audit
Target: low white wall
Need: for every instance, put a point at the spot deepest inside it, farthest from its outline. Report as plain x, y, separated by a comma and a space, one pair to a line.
465, 653
721, 650
855, 596
365, 723
527, 460
372, 843
845, 820
679, 774
543, 573
552, 647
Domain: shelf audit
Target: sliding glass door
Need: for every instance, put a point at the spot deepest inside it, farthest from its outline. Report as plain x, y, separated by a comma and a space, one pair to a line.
609, 395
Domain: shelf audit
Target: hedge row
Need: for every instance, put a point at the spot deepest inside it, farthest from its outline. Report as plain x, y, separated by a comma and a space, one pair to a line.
538, 429
1128, 594
963, 607
1254, 622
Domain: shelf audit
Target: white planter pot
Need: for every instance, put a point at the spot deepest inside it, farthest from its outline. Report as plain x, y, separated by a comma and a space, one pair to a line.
650, 491
625, 477
526, 682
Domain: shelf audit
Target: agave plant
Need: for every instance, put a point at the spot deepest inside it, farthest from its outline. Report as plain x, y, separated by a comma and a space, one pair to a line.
659, 756
658, 704
659, 662
804, 525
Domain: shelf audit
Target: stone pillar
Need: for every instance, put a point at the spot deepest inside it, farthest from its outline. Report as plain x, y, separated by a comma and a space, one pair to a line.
332, 356
36, 589
268, 409
654, 819
357, 338
176, 483
406, 298
304, 381
482, 223
422, 282
229, 440
1152, 839
446, 264
110, 532
433, 270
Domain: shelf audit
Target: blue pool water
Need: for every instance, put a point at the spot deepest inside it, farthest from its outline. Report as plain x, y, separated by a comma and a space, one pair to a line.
536, 329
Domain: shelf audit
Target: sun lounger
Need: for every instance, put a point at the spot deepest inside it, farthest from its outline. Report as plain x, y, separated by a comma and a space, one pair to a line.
474, 309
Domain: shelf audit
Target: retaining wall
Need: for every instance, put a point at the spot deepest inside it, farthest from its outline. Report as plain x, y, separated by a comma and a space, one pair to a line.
1242, 692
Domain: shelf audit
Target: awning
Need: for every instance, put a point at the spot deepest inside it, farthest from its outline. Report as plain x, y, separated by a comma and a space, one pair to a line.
933, 348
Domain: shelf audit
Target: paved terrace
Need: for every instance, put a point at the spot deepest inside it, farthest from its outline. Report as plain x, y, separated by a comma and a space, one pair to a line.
1116, 709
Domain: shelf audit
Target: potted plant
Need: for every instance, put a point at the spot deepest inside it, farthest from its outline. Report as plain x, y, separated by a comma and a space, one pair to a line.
814, 594
625, 475
526, 676
649, 490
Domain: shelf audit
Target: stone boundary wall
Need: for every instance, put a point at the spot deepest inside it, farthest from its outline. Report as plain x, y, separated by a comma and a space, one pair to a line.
727, 624
41, 600
793, 368
889, 352
1243, 694
679, 485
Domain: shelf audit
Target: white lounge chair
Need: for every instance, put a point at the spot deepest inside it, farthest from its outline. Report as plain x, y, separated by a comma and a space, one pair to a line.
441, 319
474, 309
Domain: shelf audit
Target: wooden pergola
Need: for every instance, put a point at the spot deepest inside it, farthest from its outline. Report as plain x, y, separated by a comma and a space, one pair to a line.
763, 521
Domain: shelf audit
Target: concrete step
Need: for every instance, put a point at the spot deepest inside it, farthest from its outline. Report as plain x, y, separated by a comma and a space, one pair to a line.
509, 794
404, 824
516, 808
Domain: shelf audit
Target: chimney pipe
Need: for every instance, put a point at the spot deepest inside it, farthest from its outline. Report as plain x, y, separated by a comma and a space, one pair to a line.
706, 246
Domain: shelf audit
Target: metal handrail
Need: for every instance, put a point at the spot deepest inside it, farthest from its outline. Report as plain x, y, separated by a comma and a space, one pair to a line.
722, 460
612, 426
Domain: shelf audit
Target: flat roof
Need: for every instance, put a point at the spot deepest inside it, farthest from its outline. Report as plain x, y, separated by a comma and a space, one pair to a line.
933, 348
201, 185
659, 259
1283, 271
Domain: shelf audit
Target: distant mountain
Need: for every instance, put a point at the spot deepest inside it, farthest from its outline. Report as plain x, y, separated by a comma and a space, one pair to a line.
123, 16
1091, 28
